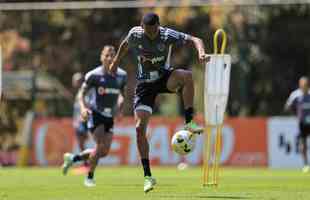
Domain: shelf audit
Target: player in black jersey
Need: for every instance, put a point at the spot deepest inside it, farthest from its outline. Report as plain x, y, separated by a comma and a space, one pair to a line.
152, 45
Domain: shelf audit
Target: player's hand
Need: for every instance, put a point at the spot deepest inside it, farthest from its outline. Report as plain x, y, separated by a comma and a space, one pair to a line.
85, 112
203, 58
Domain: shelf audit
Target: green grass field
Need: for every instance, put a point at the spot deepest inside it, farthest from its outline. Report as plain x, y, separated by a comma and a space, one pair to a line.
125, 183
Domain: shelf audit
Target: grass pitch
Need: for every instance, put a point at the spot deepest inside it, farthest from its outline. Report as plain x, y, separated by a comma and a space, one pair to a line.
126, 183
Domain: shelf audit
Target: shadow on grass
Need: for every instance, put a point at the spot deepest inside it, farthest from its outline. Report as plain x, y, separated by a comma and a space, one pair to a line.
220, 197
205, 197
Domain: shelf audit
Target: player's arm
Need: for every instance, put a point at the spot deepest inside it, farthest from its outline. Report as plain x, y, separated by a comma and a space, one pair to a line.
120, 102
199, 46
121, 98
85, 111
290, 104
179, 38
121, 53
129, 42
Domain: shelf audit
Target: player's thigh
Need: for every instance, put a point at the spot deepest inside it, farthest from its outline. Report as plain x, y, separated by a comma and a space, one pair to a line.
99, 126
177, 79
144, 99
103, 140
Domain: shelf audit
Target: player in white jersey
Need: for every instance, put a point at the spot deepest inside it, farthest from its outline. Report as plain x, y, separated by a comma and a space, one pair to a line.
103, 92
152, 45
299, 103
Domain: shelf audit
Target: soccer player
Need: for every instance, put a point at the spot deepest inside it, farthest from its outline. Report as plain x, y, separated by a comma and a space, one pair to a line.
299, 102
152, 45
103, 91
79, 125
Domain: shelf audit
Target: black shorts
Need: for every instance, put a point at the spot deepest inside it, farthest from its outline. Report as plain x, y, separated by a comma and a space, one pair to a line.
304, 129
96, 119
81, 129
145, 93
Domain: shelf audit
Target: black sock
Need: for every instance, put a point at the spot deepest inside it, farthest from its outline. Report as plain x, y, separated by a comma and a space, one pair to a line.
146, 167
189, 112
77, 158
90, 175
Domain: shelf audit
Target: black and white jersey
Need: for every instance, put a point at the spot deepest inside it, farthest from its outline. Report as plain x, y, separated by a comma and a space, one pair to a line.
153, 56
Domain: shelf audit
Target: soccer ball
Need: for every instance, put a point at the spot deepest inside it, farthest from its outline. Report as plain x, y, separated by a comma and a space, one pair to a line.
183, 142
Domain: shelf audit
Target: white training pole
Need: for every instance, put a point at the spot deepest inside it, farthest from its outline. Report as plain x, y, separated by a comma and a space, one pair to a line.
216, 91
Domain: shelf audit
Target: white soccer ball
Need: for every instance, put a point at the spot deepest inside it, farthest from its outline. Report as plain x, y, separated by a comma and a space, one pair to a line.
183, 142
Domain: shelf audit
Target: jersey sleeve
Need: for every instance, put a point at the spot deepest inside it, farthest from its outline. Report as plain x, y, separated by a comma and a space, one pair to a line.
291, 101
88, 81
176, 37
133, 35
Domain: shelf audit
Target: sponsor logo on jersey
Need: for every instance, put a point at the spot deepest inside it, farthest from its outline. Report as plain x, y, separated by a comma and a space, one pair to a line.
157, 59
152, 60
103, 91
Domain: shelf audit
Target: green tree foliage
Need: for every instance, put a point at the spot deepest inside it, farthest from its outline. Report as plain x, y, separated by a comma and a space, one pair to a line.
286, 47
269, 53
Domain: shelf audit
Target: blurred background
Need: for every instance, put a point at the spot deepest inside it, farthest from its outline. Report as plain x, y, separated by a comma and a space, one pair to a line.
43, 48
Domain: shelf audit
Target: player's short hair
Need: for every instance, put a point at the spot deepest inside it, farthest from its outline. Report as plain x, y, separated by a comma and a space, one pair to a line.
304, 78
77, 79
150, 19
108, 47
77, 76
303, 81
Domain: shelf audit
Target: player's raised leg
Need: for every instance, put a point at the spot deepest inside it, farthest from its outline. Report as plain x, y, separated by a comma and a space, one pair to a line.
70, 159
181, 81
141, 119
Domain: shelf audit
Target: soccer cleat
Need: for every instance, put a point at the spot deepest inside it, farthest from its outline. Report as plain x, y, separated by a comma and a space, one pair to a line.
193, 127
89, 182
68, 162
306, 169
149, 183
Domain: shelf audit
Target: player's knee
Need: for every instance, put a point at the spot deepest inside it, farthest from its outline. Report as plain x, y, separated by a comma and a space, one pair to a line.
140, 129
141, 125
101, 151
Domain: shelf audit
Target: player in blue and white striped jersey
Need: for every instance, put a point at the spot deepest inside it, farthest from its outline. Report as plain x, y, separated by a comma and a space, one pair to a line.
152, 45
299, 102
